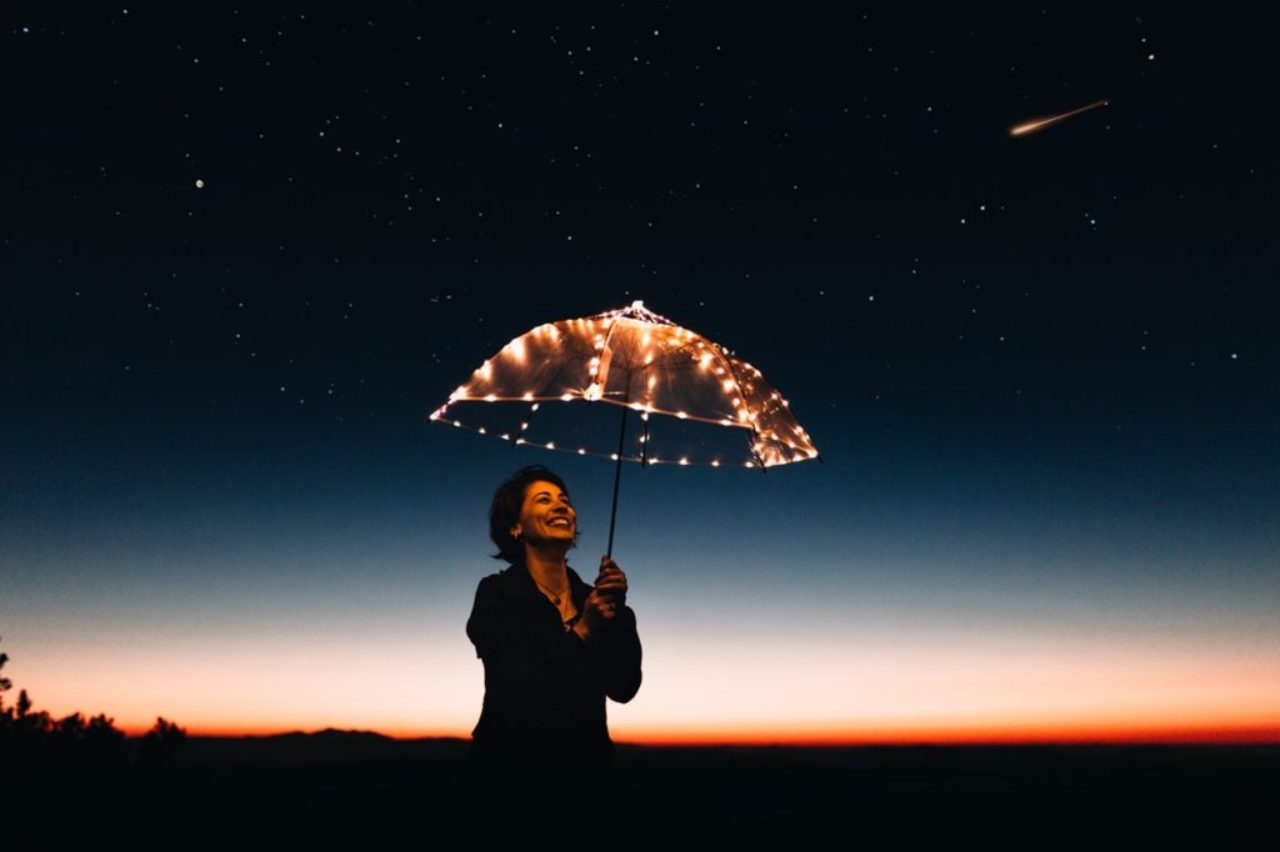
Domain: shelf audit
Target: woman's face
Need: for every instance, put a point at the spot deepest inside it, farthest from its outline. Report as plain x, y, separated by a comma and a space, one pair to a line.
546, 515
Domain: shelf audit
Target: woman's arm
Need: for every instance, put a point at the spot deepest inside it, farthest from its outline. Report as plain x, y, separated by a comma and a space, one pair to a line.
623, 677
615, 637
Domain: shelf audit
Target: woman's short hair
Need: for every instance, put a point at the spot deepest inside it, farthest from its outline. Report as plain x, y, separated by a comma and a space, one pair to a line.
504, 511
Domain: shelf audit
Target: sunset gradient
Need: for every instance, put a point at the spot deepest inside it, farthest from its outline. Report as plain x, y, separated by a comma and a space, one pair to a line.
759, 624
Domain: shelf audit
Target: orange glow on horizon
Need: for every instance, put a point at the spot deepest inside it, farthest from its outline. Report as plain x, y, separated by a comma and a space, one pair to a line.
1262, 732
838, 686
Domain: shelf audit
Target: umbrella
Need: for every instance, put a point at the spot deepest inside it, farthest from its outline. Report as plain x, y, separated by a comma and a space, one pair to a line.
635, 360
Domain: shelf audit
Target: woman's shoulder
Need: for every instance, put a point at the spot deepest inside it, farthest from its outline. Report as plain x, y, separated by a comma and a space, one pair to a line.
499, 579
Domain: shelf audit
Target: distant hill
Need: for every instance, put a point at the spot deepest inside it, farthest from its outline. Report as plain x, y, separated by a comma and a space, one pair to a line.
324, 747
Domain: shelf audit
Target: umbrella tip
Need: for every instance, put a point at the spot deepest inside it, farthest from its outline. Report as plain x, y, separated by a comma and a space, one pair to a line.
637, 305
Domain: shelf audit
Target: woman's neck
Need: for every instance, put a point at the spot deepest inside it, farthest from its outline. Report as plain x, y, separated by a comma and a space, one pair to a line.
548, 568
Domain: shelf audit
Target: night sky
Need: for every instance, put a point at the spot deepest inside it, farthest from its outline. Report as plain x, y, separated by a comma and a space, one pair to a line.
245, 253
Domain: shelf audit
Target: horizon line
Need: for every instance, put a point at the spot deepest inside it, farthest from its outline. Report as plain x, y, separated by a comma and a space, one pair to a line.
1251, 735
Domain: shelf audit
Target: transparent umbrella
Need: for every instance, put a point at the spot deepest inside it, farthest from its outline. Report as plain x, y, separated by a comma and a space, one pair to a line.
551, 387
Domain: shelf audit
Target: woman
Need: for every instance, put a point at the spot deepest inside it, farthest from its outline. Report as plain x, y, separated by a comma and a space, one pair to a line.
553, 647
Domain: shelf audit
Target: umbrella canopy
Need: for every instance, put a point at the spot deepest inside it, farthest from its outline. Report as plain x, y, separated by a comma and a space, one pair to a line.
640, 361
633, 360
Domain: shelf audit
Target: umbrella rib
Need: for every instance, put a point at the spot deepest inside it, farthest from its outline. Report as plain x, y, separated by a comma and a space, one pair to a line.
738, 389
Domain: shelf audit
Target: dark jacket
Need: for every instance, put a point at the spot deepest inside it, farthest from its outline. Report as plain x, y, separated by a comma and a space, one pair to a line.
544, 688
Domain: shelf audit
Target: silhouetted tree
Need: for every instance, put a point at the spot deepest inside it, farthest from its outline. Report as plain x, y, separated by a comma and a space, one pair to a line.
25, 722
5, 686
36, 735
162, 742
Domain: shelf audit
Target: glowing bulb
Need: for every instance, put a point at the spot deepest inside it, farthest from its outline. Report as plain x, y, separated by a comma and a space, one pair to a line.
565, 397
551, 445
683, 460
528, 396
593, 392
534, 407
682, 415
482, 432
715, 463
581, 451
490, 397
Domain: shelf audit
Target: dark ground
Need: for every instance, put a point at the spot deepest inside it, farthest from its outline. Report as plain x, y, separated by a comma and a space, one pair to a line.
351, 786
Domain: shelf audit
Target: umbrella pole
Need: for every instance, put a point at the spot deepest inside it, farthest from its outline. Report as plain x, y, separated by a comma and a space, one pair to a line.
617, 477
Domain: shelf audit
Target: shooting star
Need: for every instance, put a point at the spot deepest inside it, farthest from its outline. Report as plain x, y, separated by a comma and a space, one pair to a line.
1041, 123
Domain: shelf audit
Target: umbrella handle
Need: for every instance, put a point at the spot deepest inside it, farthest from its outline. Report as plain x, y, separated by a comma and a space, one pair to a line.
617, 478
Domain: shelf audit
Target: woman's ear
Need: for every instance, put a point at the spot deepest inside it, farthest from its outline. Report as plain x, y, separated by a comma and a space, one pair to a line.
515, 532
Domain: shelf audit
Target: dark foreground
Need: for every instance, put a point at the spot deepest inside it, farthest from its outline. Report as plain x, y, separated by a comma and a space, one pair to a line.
349, 786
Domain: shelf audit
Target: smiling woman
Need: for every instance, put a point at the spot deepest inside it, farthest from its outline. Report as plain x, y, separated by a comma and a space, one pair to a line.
553, 647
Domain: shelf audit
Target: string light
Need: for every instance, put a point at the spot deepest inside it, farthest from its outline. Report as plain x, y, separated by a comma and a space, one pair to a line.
774, 456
